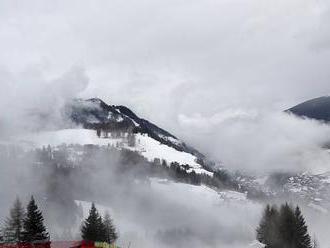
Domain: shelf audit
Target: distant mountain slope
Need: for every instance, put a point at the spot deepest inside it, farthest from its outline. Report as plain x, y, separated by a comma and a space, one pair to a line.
96, 114
93, 122
317, 108
144, 145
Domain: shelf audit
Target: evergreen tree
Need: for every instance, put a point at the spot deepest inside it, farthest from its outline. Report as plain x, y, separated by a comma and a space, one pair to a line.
92, 228
110, 230
287, 226
302, 238
262, 232
101, 230
12, 232
283, 229
131, 139
267, 232
34, 229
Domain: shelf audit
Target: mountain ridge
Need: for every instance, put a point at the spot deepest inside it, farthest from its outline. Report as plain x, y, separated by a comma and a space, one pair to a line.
95, 114
316, 108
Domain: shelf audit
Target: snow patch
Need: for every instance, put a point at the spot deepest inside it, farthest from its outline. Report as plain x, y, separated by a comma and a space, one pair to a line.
152, 149
326, 180
202, 192
170, 139
257, 244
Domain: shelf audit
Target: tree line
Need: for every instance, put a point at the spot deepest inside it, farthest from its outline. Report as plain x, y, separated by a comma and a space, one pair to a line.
133, 161
24, 225
27, 225
284, 227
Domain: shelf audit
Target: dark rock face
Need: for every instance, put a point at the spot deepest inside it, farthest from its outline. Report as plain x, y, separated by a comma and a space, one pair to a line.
95, 114
317, 108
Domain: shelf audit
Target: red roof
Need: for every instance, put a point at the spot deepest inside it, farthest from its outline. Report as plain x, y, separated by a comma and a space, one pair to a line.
66, 244
53, 244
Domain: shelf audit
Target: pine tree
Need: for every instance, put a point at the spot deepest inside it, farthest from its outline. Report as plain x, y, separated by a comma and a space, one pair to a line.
110, 230
92, 228
12, 232
131, 139
302, 238
283, 229
267, 232
287, 226
262, 228
34, 229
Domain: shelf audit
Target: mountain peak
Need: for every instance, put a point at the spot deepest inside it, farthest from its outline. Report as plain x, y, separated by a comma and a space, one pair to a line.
95, 100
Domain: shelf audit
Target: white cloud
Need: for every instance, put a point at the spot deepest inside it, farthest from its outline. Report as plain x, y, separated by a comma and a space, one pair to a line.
265, 142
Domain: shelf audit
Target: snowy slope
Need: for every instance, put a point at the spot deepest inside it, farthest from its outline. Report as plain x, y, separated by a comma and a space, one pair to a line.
208, 195
152, 149
182, 191
97, 115
146, 146
202, 202
92, 121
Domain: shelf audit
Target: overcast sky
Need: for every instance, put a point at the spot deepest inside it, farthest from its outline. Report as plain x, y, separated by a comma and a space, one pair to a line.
189, 66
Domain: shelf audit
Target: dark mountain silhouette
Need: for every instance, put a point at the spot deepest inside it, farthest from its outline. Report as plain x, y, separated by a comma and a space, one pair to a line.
317, 108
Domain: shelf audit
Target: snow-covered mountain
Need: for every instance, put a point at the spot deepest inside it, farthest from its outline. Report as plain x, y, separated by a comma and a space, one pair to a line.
93, 122
96, 114
312, 189
143, 144
97, 123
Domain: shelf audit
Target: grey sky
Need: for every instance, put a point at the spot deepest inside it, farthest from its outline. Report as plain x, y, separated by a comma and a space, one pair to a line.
178, 63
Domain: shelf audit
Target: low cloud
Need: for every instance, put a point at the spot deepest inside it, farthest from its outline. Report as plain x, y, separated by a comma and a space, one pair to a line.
263, 142
207, 124
29, 101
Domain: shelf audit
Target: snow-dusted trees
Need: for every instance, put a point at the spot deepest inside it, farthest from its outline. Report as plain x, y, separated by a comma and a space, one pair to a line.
91, 227
24, 227
13, 227
267, 232
110, 230
34, 228
131, 141
302, 238
285, 228
94, 228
